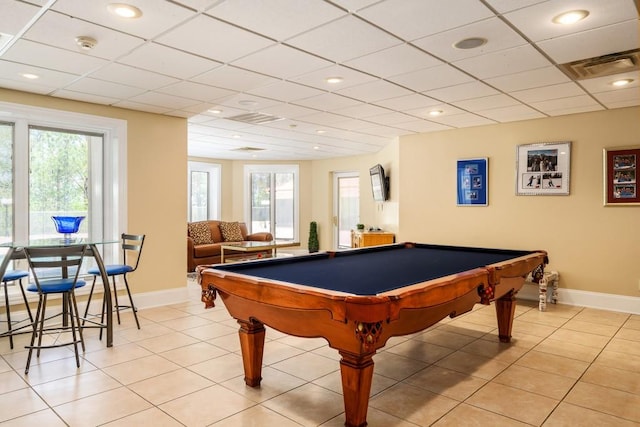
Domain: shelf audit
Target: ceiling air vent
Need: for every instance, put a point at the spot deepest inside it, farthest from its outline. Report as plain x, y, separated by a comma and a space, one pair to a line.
248, 149
255, 118
606, 65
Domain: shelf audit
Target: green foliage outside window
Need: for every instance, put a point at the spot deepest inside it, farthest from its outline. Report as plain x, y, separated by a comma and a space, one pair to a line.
6, 181
58, 178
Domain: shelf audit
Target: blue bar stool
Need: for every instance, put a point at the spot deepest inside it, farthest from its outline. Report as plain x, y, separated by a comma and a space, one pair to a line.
131, 251
55, 270
12, 276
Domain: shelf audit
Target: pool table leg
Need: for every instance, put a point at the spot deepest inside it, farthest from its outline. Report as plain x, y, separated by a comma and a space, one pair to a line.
505, 309
357, 374
252, 344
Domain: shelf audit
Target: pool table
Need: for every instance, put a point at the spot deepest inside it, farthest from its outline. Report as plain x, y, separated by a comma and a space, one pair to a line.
357, 299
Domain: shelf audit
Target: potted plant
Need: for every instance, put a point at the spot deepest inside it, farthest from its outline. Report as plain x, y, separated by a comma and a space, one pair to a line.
313, 245
360, 227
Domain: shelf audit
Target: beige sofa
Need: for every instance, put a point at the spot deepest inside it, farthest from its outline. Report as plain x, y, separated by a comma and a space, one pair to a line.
204, 239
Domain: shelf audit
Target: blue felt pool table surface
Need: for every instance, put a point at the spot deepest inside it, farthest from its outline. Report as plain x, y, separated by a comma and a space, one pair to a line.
375, 270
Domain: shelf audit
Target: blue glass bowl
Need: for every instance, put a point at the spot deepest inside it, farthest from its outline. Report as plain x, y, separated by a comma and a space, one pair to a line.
67, 224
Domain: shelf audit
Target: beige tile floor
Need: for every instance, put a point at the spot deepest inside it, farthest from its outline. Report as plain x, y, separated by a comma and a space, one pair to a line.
568, 366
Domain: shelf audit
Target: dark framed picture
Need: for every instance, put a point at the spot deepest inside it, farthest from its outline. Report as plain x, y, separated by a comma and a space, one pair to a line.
472, 182
543, 169
620, 176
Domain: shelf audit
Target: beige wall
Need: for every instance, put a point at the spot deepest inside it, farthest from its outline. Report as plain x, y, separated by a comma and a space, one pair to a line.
156, 186
583, 238
386, 215
595, 248
383, 215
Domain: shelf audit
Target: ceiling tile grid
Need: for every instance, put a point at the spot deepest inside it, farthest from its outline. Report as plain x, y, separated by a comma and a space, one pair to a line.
52, 58
131, 76
63, 31
210, 38
16, 15
328, 41
170, 62
285, 91
277, 19
498, 35
396, 59
282, 61
413, 19
157, 16
234, 78
103, 88
377, 90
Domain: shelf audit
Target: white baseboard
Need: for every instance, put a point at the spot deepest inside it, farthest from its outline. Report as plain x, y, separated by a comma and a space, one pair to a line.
598, 300
160, 298
142, 300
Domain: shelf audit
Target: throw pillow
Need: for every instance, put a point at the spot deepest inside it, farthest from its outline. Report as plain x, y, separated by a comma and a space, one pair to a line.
200, 232
231, 232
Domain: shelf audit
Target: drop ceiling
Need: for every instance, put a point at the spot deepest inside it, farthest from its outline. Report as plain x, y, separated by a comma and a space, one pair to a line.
215, 61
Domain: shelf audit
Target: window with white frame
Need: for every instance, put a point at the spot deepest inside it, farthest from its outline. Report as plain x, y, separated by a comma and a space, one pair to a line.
61, 163
204, 191
271, 200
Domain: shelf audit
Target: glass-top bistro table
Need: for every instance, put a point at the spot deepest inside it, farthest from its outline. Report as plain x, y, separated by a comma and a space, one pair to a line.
15, 251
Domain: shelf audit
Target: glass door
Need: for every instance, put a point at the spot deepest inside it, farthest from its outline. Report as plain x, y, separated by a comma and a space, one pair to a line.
346, 207
273, 205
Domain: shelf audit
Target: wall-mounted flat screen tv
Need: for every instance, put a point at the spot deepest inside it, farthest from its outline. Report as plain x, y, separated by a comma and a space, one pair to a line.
379, 183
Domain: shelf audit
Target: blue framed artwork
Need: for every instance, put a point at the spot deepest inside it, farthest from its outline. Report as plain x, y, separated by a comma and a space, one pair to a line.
473, 182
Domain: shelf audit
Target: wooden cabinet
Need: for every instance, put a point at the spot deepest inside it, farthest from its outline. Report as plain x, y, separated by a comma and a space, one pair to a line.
361, 239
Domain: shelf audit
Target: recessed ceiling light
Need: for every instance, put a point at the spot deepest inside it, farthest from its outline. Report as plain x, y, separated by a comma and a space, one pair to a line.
236, 136
435, 112
570, 17
622, 82
248, 102
320, 131
316, 148
470, 43
124, 10
214, 111
30, 76
334, 80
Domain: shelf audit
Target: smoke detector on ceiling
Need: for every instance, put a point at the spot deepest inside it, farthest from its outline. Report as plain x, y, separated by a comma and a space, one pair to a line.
605, 65
86, 43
